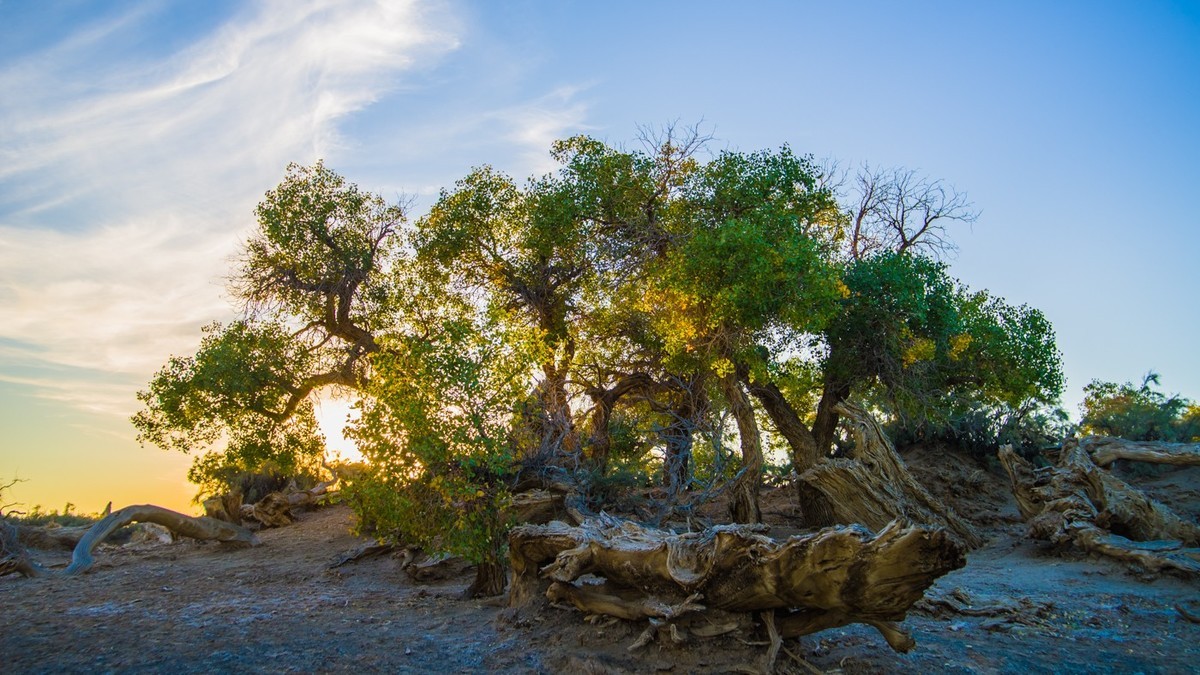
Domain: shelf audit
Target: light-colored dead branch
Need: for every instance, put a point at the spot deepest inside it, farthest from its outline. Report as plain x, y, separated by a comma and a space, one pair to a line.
1104, 450
197, 528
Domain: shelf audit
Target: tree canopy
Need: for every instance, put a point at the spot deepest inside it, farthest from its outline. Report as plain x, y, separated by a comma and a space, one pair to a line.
648, 300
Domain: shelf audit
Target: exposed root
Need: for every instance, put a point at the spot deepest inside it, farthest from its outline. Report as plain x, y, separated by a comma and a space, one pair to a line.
1078, 504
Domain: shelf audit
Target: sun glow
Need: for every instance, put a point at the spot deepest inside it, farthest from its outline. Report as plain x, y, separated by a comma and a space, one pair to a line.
333, 415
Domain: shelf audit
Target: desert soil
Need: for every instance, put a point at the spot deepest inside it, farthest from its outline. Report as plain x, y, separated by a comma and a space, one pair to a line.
191, 606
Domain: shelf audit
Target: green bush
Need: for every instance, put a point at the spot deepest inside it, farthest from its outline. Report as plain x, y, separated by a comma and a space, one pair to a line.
1139, 413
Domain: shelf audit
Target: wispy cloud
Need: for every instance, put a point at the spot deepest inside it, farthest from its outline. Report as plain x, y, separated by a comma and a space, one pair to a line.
533, 126
125, 190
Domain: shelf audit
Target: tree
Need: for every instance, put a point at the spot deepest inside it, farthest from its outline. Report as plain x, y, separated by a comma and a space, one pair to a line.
628, 299
899, 210
314, 284
1139, 413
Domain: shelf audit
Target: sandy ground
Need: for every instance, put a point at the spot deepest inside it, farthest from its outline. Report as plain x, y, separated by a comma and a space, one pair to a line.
200, 607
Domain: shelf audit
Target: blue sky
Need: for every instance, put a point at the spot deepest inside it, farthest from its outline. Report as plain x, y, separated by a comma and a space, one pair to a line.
136, 137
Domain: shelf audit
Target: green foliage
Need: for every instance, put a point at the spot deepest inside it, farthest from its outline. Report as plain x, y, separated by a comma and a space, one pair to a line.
753, 263
228, 394
897, 321
934, 346
435, 431
241, 374
318, 236
1139, 413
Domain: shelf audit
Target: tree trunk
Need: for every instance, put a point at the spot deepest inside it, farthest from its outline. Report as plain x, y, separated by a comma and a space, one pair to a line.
1105, 450
604, 401
814, 506
873, 487
688, 584
491, 578
558, 433
678, 436
743, 494
825, 426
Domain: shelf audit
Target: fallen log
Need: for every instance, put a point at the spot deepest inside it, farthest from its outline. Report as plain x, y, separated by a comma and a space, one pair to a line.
82, 560
807, 583
275, 509
873, 487
197, 528
14, 558
1079, 504
1104, 450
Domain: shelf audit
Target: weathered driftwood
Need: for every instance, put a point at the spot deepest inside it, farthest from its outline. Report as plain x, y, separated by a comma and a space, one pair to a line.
872, 486
1077, 503
1104, 450
187, 526
14, 558
275, 509
691, 582
227, 507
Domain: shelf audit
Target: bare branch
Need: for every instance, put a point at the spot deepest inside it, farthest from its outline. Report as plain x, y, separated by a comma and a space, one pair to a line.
900, 210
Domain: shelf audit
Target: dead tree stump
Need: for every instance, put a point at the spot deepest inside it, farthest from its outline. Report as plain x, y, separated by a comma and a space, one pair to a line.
1079, 504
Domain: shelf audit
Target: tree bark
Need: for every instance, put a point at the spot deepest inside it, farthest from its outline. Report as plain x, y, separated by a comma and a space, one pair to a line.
825, 425
814, 506
873, 487
1105, 450
743, 494
1076, 503
491, 578
683, 582
679, 433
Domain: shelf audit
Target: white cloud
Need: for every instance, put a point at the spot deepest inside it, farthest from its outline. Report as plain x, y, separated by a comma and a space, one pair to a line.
125, 189
534, 126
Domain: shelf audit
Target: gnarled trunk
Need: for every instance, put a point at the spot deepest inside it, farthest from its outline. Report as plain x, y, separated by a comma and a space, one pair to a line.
687, 584
1077, 503
814, 506
873, 487
679, 434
